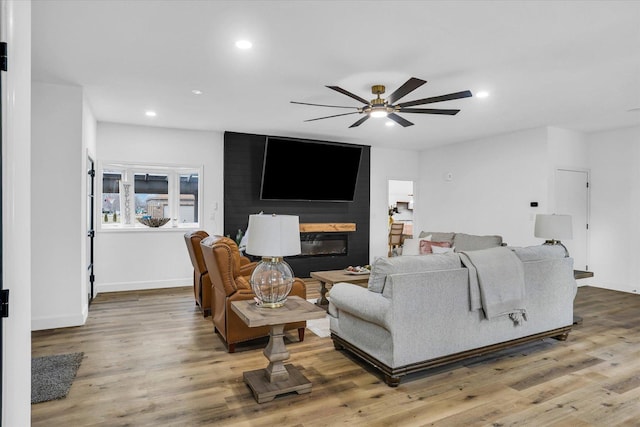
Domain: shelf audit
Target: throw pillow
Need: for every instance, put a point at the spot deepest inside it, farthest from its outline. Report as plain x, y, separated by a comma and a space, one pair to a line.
441, 250
412, 246
426, 246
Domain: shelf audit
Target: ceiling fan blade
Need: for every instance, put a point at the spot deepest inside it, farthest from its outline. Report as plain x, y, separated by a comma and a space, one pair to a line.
359, 122
409, 86
429, 111
400, 120
322, 105
328, 117
448, 97
344, 92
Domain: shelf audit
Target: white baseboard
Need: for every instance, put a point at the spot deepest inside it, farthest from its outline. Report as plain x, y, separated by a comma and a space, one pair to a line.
41, 323
142, 285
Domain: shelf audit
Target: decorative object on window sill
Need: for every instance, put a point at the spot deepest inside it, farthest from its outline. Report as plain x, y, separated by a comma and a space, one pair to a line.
553, 228
273, 237
126, 200
153, 222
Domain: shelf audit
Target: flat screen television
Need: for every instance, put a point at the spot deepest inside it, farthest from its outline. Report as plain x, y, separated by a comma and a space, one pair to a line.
305, 170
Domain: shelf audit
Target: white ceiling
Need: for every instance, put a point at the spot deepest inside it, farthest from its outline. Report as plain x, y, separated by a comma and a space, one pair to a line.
571, 64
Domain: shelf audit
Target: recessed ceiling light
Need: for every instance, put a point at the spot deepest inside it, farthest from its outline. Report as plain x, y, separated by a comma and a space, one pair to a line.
482, 94
196, 92
150, 113
390, 123
244, 44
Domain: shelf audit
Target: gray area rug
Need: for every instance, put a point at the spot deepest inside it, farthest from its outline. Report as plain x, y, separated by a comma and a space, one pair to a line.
51, 376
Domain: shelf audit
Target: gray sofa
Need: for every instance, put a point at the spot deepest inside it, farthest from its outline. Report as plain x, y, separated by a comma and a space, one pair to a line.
421, 311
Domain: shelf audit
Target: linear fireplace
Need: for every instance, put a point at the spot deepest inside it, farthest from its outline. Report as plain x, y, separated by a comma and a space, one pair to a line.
323, 244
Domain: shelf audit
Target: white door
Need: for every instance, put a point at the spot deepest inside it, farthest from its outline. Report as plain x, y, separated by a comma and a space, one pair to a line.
572, 198
15, 29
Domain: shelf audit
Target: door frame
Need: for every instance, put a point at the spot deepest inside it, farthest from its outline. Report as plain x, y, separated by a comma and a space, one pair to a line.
91, 225
2, 69
413, 209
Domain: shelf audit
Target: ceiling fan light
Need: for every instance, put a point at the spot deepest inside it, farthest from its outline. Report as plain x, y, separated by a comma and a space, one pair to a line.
244, 44
377, 113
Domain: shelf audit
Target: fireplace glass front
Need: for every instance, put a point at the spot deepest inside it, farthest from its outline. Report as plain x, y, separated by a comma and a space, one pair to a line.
323, 244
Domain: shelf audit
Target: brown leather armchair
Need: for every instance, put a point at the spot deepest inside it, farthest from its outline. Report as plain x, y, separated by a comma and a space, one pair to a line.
201, 281
230, 279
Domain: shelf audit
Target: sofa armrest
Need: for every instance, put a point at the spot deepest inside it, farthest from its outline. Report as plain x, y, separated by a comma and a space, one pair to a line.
360, 302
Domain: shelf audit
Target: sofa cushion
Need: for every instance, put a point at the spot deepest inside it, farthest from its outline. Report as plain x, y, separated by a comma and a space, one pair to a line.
470, 242
437, 236
382, 267
537, 253
426, 246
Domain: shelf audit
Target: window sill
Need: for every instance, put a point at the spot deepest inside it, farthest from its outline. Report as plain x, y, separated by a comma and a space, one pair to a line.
138, 229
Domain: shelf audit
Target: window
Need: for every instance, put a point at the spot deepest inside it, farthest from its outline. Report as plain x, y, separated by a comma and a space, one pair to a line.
110, 196
151, 193
132, 191
189, 197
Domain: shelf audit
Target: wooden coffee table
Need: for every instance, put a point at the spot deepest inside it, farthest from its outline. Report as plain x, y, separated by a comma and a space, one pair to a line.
277, 378
334, 276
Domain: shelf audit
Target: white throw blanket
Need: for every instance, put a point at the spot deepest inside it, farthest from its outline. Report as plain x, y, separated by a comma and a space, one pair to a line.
496, 282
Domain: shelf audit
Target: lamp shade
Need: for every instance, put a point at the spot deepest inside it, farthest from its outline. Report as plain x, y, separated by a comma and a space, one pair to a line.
553, 227
273, 235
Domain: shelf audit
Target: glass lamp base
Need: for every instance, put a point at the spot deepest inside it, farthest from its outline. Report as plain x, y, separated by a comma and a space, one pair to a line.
271, 282
273, 304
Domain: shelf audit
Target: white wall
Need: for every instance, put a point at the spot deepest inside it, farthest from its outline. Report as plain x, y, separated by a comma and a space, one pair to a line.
153, 258
401, 198
485, 186
58, 296
567, 149
400, 191
385, 165
614, 158
15, 22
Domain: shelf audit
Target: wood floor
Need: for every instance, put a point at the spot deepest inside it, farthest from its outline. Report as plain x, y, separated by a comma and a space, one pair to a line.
150, 359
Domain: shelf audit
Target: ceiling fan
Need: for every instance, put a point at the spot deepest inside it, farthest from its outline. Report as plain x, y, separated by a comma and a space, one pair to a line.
381, 107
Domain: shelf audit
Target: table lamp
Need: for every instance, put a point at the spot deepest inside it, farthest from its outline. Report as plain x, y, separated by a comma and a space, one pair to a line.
554, 227
273, 237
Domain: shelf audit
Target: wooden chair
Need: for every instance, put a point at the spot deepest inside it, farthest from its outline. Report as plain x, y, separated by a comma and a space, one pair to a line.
396, 236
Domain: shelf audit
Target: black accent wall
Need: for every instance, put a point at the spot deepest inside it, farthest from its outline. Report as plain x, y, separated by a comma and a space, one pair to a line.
243, 156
